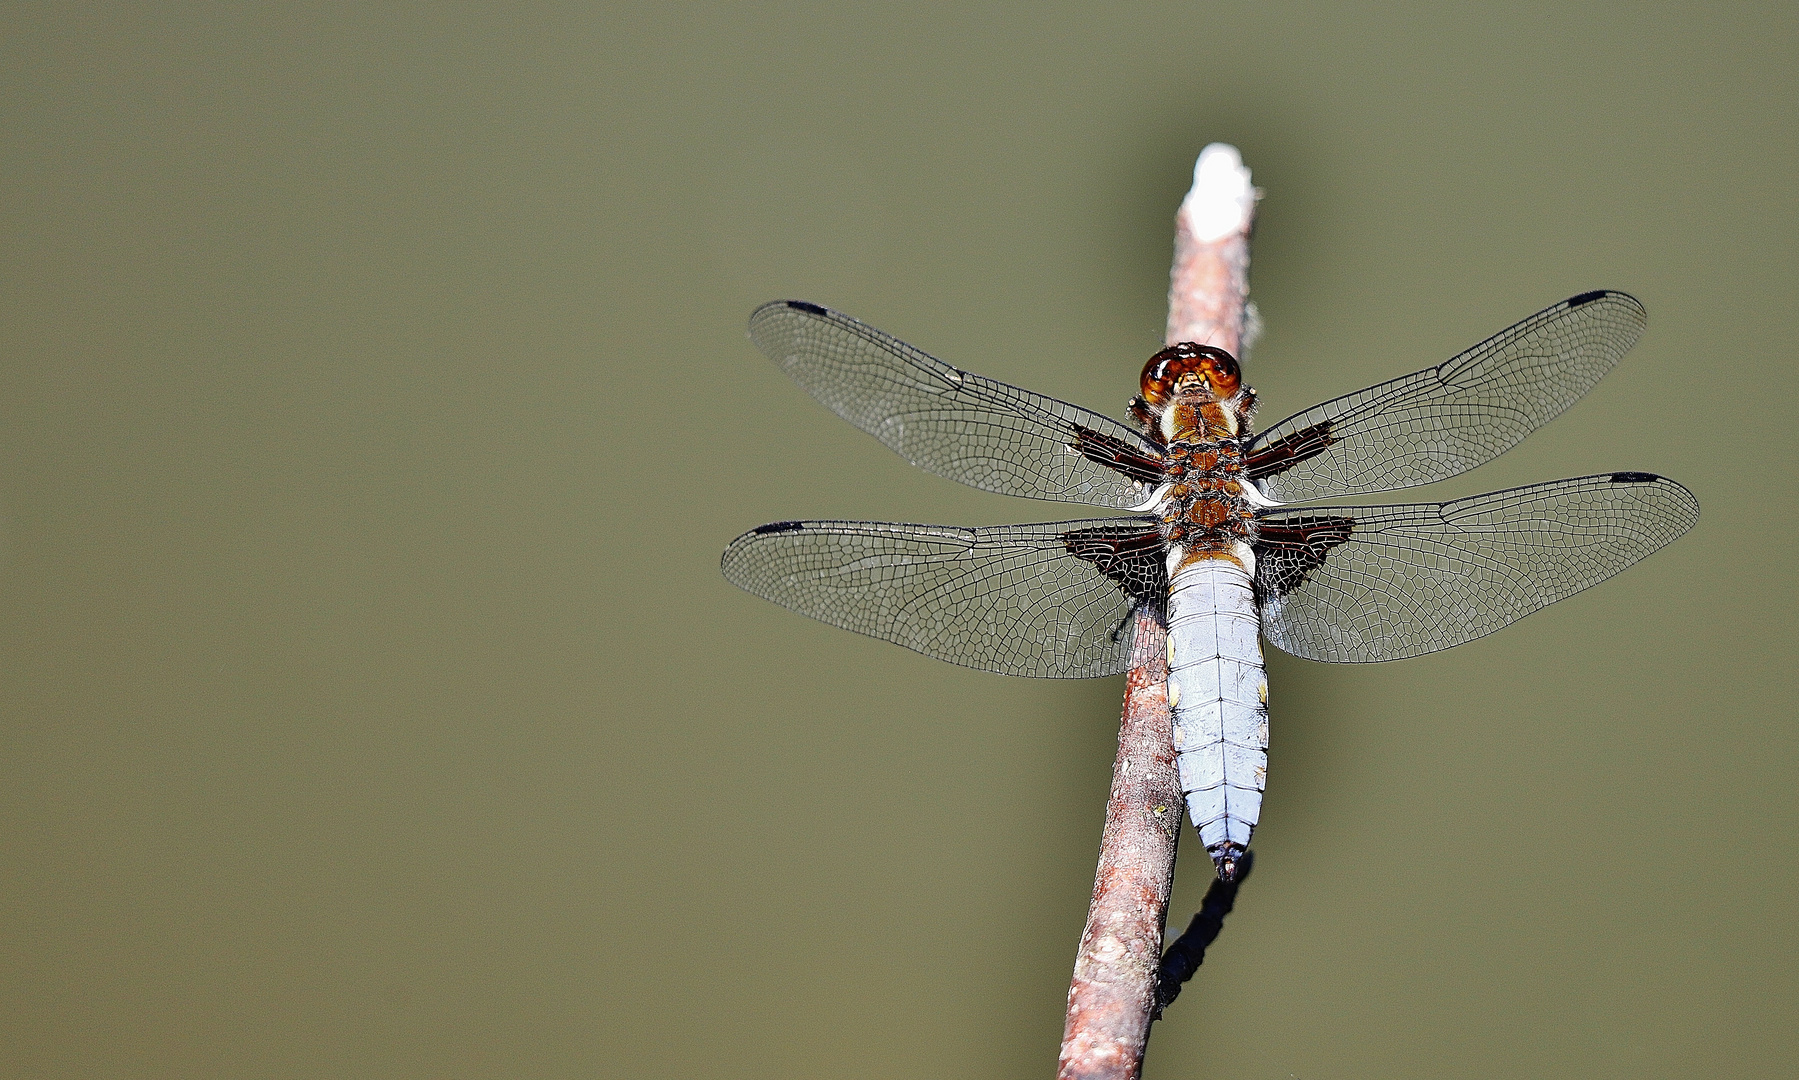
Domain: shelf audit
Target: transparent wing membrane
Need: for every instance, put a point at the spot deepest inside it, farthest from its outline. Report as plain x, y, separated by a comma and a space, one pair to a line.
975, 430
1348, 584
1445, 420
1361, 584
1049, 600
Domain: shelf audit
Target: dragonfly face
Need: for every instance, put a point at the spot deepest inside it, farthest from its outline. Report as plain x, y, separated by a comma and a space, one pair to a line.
1334, 583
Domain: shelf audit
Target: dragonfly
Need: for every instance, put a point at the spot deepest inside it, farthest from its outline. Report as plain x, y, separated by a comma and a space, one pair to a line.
1225, 542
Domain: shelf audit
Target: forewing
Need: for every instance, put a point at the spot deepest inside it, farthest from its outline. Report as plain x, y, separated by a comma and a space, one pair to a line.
981, 432
1365, 583
1445, 420
1049, 600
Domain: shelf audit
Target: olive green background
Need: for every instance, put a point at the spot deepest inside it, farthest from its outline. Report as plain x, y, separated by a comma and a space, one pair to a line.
375, 404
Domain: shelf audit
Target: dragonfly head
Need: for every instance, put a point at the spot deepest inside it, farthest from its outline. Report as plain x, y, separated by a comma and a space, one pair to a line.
1196, 392
1190, 368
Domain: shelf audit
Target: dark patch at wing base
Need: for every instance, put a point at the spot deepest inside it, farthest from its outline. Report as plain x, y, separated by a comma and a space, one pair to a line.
1117, 455
1289, 450
1288, 552
1129, 554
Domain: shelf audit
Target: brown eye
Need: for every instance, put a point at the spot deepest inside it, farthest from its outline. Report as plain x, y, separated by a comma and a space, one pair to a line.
1221, 371
1165, 369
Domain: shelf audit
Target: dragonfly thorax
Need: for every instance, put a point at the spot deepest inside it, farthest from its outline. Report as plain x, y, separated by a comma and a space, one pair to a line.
1203, 509
1203, 413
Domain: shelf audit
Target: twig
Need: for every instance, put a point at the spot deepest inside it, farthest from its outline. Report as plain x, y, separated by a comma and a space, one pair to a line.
1208, 291
1113, 992
1112, 998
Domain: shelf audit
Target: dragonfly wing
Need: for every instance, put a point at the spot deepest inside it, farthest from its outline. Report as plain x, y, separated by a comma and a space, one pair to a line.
1051, 600
1445, 420
976, 430
1357, 584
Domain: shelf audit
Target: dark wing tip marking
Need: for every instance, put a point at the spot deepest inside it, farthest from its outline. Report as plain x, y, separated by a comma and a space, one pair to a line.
1623, 299
777, 527
1634, 478
809, 308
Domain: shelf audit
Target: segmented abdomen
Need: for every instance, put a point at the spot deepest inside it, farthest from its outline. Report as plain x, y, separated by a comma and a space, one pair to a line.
1219, 697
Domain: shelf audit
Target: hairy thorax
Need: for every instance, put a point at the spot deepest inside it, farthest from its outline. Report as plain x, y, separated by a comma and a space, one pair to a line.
1193, 402
1205, 510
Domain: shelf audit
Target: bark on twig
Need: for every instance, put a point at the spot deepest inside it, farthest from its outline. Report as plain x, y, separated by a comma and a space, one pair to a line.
1208, 289
1113, 992
1112, 998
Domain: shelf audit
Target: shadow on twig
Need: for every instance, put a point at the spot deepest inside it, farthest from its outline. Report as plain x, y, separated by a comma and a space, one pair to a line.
1189, 950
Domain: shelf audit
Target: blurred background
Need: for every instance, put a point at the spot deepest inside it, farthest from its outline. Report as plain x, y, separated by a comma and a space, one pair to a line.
375, 403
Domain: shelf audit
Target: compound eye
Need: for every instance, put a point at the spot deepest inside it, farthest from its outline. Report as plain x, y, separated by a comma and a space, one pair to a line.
1165, 372
1221, 371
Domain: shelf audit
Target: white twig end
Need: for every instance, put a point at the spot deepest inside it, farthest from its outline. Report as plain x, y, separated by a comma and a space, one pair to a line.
1222, 199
